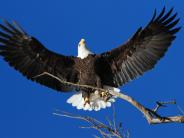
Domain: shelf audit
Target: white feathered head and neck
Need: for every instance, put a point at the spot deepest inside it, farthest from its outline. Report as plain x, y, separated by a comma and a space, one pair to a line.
83, 51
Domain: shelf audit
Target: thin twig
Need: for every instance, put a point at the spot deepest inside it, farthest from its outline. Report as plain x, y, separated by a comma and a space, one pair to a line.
114, 117
163, 104
180, 109
109, 122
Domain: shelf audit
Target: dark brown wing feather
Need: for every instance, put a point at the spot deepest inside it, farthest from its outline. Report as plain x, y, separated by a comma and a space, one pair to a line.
31, 58
140, 53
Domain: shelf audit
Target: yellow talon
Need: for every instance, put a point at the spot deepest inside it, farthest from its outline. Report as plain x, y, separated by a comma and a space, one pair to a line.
86, 100
104, 94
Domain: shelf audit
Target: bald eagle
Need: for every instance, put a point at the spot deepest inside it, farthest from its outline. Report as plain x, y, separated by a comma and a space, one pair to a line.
108, 70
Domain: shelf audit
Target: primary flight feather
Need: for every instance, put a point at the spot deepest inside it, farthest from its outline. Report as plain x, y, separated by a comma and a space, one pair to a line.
108, 70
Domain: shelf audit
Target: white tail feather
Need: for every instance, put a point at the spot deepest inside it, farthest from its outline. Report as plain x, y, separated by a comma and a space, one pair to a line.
96, 102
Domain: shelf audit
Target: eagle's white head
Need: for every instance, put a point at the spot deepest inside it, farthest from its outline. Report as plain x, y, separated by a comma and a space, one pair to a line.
83, 51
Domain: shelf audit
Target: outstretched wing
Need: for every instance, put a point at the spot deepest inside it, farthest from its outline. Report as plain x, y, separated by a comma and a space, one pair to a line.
141, 52
31, 58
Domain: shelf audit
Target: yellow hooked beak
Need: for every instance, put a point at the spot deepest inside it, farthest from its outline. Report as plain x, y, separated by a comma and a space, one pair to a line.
82, 42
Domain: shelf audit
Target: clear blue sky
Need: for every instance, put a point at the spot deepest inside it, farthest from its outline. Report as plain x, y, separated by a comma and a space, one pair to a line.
26, 107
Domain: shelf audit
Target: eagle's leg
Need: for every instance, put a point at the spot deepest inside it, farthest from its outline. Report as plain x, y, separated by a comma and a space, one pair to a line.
86, 101
105, 95
86, 97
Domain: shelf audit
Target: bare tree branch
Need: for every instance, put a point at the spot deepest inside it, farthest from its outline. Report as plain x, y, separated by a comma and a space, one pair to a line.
151, 115
106, 131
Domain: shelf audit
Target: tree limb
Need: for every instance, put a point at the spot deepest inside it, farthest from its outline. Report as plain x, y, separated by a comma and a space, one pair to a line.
151, 115
148, 113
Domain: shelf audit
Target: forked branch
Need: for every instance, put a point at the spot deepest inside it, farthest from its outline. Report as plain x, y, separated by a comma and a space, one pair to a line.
106, 130
151, 115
